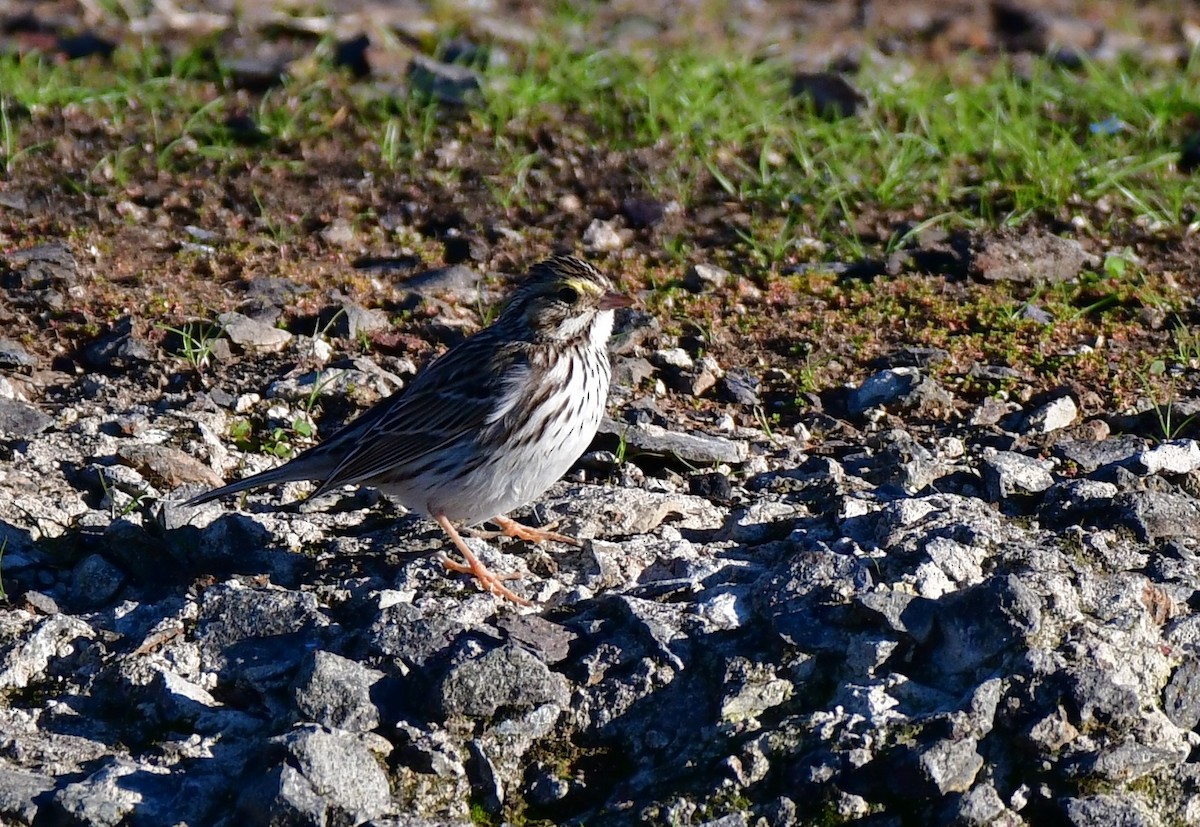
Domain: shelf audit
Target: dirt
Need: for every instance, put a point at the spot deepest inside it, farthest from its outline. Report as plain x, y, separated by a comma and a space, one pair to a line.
306, 209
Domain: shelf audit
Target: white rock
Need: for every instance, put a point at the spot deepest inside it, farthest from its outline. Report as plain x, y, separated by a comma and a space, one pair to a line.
1180, 456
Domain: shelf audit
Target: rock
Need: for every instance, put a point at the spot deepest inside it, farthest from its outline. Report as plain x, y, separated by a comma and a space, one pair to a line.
253, 334
1075, 502
314, 775
831, 94
508, 678
20, 792
1025, 256
1053, 416
1180, 456
740, 387
701, 278
168, 468
336, 692
604, 237
1153, 515
1181, 697
978, 807
713, 486
1090, 455
458, 282
641, 213
1008, 474
355, 320
625, 512
1105, 809
699, 449
231, 613
118, 349
20, 420
951, 765
104, 798
549, 641
14, 355
95, 582
42, 643
444, 82
339, 233
675, 357
905, 387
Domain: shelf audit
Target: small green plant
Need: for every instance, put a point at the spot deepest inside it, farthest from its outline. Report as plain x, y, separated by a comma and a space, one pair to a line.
196, 341
622, 448
1169, 427
135, 500
1187, 345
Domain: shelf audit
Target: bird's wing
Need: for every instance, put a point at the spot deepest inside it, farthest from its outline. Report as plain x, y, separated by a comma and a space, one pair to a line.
458, 394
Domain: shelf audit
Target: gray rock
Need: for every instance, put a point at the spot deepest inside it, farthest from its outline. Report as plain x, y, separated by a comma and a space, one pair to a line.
339, 233
951, 765
978, 807
696, 448
336, 692
1106, 810
906, 387
883, 388
503, 679
1073, 502
95, 581
741, 387
1180, 456
21, 420
44, 265
1029, 257
457, 281
315, 775
1008, 474
14, 355
1092, 455
1181, 697
801, 599
1053, 416
1154, 515
105, 798
230, 614
253, 334
605, 236
990, 412
549, 641
20, 792
119, 348
703, 277
40, 644
356, 320
445, 82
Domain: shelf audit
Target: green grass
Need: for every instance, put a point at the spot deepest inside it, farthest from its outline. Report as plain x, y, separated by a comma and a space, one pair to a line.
955, 145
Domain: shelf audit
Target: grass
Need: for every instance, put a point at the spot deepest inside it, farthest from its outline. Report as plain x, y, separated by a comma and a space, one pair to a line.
991, 147
196, 342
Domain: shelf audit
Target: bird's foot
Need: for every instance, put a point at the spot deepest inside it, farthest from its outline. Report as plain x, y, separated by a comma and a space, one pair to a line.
511, 528
489, 580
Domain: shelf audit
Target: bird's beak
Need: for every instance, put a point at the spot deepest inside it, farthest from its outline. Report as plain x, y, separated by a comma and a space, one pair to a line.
612, 300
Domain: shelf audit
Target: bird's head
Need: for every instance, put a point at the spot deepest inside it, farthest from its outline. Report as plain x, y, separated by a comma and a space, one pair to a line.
564, 298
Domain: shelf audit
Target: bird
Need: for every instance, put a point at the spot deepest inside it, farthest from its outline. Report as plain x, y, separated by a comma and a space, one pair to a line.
489, 425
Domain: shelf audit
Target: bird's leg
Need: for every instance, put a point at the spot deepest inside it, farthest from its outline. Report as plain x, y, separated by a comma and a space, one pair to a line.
490, 581
511, 528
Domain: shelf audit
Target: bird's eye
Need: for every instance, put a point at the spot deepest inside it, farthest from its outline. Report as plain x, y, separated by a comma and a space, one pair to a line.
568, 295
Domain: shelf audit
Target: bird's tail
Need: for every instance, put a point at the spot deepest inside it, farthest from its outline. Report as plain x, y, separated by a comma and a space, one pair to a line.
313, 464
281, 474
